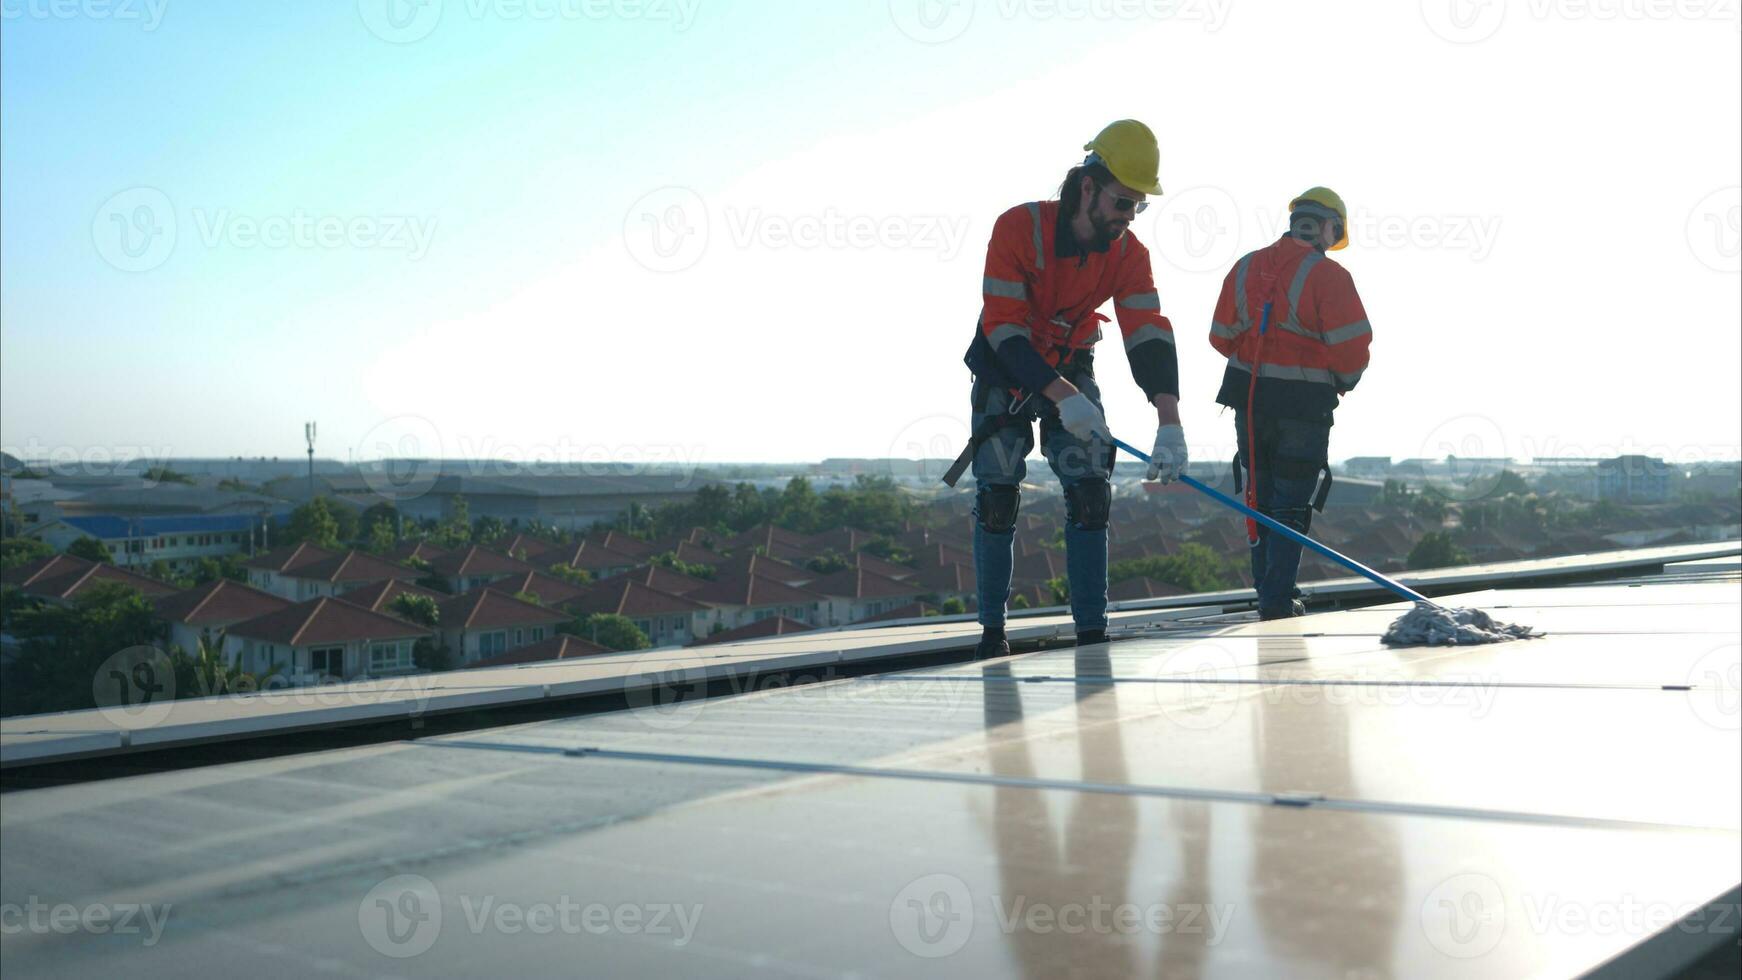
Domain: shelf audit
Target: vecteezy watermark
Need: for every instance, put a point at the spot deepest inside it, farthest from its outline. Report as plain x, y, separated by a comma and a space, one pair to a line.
934, 916
932, 442
34, 916
669, 230
938, 21
1715, 687
134, 688
148, 14
402, 917
1202, 229
138, 229
1469, 21
1464, 457
64, 460
1715, 229
1468, 914
407, 21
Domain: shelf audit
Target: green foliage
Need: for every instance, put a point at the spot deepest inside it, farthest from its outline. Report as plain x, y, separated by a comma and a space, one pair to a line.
456, 530
827, 563
1395, 493
235, 485
531, 597
488, 530
884, 547
670, 560
382, 511
1019, 601
22, 551
954, 606
161, 570
91, 549
419, 609
570, 574
63, 647
1436, 549
1428, 507
208, 672
381, 537
874, 503
1193, 567
608, 630
1060, 587
1506, 483
212, 568
312, 523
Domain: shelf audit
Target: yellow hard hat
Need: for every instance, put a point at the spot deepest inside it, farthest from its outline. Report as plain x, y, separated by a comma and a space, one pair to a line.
1127, 149
1327, 198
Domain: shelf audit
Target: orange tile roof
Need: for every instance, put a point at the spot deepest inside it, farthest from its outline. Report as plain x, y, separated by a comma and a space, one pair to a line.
219, 602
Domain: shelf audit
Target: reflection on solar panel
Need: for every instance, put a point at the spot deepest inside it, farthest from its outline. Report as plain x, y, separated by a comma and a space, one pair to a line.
1222, 798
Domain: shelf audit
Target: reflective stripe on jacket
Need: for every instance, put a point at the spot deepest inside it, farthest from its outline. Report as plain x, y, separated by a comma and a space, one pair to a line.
1043, 290
1317, 344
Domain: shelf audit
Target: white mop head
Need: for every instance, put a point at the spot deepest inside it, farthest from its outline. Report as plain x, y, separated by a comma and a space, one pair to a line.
1439, 626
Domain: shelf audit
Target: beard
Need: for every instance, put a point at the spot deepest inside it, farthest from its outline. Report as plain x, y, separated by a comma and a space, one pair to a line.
1108, 228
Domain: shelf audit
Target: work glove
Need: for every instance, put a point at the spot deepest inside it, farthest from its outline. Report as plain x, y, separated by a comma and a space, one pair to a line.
1168, 459
1082, 419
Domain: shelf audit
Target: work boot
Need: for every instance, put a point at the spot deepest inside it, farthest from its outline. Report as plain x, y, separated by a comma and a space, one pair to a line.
992, 644
1294, 608
1091, 637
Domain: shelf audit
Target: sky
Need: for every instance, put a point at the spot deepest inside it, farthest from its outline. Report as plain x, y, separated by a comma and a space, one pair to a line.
709, 231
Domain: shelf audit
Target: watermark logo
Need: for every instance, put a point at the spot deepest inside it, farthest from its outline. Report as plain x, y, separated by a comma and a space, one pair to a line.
1198, 695
932, 21
1464, 457
667, 229
401, 917
135, 230
1464, 21
400, 21
932, 916
406, 451
1464, 916
932, 442
1715, 687
665, 690
1715, 230
135, 688
1197, 229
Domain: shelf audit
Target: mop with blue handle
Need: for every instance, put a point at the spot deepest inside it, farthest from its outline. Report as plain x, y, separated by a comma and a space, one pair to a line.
1427, 624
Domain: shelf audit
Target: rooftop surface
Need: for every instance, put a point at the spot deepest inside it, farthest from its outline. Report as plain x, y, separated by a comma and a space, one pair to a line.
1206, 797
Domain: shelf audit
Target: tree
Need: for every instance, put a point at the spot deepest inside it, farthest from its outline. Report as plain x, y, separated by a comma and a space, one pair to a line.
532, 597
210, 569
163, 474
1436, 549
22, 551
160, 570
1019, 601
954, 606
312, 523
431, 655
608, 630
1193, 567
669, 559
1506, 483
346, 520
64, 647
381, 511
381, 537
570, 574
91, 549
208, 672
488, 530
419, 609
826, 563
1060, 587
457, 529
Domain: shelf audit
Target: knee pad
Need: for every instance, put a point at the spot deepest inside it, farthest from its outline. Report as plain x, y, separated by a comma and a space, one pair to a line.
1087, 504
995, 506
1298, 518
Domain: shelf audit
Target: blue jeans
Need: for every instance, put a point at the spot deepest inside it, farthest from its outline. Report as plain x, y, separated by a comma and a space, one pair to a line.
1291, 452
1000, 461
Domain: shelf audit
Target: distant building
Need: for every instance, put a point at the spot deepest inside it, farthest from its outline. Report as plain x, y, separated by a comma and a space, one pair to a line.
326, 638
180, 540
1370, 467
1634, 479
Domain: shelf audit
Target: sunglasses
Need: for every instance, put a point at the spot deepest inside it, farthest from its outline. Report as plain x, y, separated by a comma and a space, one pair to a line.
1130, 204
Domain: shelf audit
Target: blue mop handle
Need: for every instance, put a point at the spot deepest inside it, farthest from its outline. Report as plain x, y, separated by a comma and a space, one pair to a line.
1403, 591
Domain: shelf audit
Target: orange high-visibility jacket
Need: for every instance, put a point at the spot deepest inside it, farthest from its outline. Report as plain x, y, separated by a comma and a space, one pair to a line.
1041, 292
1317, 343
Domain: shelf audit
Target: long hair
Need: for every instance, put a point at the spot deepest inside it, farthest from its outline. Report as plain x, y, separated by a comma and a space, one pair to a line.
1069, 194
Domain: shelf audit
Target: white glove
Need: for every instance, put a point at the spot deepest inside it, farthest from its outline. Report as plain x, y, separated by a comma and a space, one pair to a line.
1168, 459
1082, 419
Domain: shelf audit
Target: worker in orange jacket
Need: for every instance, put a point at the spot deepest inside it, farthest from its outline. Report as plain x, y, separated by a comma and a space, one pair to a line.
1049, 267
1293, 314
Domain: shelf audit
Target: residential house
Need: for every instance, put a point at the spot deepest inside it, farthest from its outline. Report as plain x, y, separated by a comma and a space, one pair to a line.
760, 629
179, 540
205, 612
266, 571
485, 623
747, 564
473, 567
559, 647
740, 599
590, 557
547, 589
59, 579
326, 638
339, 574
379, 596
657, 577
854, 594
668, 620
